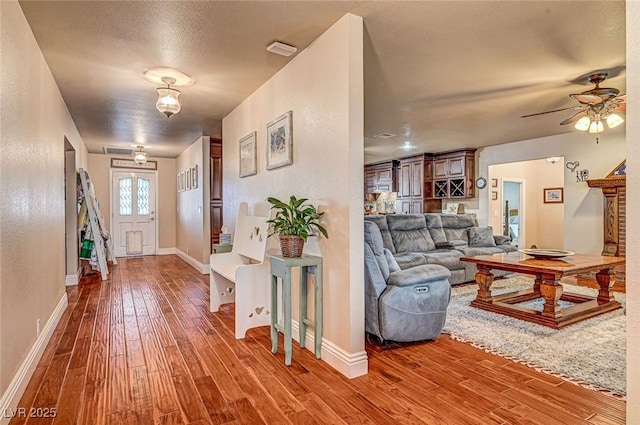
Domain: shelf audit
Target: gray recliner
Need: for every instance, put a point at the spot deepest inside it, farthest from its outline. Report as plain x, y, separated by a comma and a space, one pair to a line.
402, 305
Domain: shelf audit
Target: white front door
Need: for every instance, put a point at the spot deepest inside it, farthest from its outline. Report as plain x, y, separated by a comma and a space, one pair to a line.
133, 213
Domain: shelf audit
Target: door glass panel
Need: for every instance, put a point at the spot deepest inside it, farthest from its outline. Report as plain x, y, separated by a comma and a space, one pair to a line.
143, 196
126, 199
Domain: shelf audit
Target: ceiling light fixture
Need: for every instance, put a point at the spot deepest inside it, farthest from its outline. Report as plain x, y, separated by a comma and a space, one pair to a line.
168, 102
140, 157
553, 159
592, 122
281, 49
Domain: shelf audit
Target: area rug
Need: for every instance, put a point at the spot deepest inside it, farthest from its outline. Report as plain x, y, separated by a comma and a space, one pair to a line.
591, 353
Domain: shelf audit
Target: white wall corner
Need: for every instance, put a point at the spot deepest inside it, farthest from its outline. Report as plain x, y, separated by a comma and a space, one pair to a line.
11, 397
202, 268
350, 365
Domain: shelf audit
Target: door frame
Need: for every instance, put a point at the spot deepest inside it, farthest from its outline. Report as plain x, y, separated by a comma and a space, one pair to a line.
523, 205
111, 209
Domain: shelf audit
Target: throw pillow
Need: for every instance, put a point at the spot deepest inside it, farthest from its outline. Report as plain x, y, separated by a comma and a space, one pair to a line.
481, 236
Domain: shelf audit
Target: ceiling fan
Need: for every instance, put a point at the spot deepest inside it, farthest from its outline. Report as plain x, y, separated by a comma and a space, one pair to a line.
597, 104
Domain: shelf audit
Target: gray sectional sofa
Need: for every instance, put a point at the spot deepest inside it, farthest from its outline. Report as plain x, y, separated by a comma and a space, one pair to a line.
431, 238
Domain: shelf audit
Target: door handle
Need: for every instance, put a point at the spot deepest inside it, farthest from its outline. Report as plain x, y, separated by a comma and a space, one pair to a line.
152, 218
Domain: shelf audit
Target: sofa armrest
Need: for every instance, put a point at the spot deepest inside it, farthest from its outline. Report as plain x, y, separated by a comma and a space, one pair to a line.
502, 240
451, 244
417, 275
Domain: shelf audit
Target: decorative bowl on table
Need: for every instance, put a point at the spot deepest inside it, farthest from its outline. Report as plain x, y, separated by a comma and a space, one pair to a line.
546, 254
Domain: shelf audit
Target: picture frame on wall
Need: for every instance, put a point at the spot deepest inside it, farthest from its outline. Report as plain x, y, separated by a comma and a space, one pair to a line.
248, 155
554, 195
188, 179
178, 182
280, 141
194, 177
182, 183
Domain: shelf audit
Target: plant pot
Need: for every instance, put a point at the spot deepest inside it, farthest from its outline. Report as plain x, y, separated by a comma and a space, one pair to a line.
291, 246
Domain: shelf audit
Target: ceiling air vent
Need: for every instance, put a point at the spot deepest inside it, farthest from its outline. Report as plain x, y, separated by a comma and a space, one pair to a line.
384, 135
118, 151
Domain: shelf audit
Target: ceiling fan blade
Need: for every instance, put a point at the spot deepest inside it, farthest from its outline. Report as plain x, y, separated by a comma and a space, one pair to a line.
618, 108
589, 99
548, 112
575, 117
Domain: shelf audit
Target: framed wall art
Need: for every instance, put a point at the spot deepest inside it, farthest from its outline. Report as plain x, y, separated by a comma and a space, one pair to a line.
280, 141
553, 195
188, 179
494, 196
194, 177
248, 155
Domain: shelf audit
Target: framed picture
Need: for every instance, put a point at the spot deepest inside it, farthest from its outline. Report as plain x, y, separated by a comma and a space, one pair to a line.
553, 195
183, 186
280, 141
452, 208
248, 155
178, 187
188, 179
494, 196
194, 177
494, 182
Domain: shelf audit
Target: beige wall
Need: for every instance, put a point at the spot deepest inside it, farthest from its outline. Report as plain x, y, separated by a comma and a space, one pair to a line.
192, 226
633, 207
33, 121
99, 171
323, 87
583, 206
544, 223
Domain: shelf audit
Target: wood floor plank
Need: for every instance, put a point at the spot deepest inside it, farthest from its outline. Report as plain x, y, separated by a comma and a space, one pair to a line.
143, 348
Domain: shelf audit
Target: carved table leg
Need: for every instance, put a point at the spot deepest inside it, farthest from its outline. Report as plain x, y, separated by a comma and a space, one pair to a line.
551, 291
484, 279
606, 279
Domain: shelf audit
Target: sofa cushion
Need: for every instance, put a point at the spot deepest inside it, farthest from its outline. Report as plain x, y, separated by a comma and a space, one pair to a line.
407, 260
451, 244
434, 224
507, 248
420, 274
501, 239
373, 238
409, 233
381, 222
471, 251
481, 236
450, 259
391, 261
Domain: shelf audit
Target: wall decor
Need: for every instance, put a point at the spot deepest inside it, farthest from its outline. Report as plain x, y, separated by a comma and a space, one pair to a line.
554, 195
182, 182
494, 196
130, 163
248, 155
280, 141
582, 176
572, 165
188, 179
452, 208
194, 177
178, 188
494, 182
481, 183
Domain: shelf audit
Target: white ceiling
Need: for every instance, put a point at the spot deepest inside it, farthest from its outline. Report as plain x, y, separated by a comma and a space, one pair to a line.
441, 75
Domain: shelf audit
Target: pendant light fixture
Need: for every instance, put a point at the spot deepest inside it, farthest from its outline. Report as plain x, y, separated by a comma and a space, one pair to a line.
593, 121
139, 156
168, 102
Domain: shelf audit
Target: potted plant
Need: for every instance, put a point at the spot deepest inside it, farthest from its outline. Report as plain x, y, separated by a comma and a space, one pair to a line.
294, 223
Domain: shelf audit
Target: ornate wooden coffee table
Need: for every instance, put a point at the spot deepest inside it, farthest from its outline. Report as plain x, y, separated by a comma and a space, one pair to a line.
546, 285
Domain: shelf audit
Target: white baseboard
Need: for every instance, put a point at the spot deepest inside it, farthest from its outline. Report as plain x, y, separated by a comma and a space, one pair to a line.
165, 251
350, 365
11, 397
202, 268
73, 279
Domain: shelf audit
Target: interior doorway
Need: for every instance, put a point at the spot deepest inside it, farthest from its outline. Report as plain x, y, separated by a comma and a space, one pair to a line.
71, 240
133, 212
513, 211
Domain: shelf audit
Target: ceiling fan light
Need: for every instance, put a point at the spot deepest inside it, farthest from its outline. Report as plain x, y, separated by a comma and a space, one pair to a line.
168, 102
614, 120
583, 124
596, 127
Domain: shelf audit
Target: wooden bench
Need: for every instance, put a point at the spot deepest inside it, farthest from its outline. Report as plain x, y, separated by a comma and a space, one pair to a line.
242, 275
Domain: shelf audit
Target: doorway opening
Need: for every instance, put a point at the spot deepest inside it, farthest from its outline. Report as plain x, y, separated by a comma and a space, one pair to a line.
71, 241
513, 211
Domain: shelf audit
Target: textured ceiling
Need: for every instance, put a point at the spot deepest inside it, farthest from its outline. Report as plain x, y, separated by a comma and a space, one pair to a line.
440, 75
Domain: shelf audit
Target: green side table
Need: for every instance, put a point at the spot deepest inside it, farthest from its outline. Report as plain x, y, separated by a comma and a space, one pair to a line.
217, 248
281, 268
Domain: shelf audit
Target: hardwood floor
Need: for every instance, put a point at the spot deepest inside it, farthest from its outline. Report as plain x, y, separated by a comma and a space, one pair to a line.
143, 348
